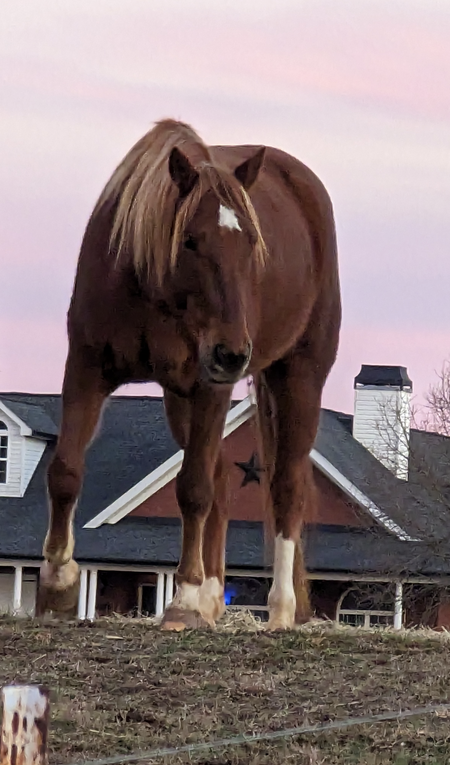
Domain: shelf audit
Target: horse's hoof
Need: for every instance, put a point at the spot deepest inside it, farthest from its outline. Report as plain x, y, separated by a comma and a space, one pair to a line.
280, 621
179, 619
278, 625
58, 590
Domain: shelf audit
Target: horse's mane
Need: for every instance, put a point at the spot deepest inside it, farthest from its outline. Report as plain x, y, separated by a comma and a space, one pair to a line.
147, 220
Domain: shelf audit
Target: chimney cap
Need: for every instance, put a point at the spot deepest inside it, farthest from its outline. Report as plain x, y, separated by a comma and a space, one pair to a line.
383, 376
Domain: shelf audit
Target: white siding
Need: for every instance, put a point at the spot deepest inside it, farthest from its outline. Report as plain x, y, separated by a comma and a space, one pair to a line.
381, 422
12, 487
33, 451
24, 453
29, 589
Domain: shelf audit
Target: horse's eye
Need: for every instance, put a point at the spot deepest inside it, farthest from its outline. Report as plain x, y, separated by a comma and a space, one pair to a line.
190, 243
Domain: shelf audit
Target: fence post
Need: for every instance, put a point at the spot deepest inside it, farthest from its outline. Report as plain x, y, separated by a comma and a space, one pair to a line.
25, 725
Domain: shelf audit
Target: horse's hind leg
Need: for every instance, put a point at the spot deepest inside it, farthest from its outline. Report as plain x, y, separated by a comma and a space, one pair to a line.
296, 384
83, 395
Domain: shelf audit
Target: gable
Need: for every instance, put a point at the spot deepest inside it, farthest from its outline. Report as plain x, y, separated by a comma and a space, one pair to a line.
162, 474
11, 456
246, 502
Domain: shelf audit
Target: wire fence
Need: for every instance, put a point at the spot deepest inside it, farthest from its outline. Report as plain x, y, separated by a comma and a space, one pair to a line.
302, 730
23, 703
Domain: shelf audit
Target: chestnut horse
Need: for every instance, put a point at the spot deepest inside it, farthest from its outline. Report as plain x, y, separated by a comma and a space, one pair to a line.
200, 265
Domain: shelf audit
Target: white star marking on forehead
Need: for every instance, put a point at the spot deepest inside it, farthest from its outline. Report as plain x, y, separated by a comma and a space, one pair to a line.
228, 218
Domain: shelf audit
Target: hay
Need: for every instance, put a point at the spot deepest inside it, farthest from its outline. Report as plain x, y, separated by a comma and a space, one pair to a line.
120, 685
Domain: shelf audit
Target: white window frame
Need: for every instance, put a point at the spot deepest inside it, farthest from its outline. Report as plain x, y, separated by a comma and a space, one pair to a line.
140, 596
4, 433
366, 613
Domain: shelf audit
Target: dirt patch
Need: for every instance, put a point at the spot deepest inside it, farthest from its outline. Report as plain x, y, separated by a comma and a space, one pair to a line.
119, 686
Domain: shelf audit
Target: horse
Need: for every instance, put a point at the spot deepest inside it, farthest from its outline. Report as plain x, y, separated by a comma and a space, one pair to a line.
199, 266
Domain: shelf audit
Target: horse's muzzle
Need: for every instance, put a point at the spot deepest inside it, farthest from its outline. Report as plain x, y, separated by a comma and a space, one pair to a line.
225, 367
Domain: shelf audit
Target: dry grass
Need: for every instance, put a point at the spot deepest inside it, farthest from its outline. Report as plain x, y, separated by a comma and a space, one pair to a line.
120, 685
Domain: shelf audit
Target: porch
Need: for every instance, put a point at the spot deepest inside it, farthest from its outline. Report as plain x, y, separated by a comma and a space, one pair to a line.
364, 601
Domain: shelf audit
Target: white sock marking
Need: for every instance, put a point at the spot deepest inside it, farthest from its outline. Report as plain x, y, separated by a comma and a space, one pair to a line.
228, 218
284, 563
282, 592
211, 598
211, 588
187, 596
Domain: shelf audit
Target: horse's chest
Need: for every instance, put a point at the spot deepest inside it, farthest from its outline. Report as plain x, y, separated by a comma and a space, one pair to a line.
174, 357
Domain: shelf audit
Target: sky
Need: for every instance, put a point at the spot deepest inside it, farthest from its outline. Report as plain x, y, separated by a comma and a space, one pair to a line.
356, 89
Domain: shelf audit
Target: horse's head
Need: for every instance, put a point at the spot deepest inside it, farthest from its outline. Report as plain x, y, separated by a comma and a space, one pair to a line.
217, 246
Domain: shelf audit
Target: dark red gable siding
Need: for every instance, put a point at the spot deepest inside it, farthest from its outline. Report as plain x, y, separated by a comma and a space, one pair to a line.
246, 503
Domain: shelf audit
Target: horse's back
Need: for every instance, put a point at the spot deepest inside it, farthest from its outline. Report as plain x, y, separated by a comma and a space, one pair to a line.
294, 209
282, 173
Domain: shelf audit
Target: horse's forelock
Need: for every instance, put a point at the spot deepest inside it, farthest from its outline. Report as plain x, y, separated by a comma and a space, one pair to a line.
148, 222
230, 193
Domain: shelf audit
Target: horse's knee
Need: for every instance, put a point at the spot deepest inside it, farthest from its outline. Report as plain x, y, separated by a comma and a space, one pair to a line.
64, 482
64, 485
195, 494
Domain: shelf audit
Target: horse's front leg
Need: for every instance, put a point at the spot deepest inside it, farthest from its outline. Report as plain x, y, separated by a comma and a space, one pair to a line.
195, 494
212, 594
83, 395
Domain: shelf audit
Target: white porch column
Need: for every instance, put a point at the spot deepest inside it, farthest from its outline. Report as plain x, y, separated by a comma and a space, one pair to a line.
82, 598
169, 589
160, 595
398, 606
92, 595
17, 597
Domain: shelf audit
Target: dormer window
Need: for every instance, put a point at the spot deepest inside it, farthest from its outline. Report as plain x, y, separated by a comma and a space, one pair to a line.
3, 452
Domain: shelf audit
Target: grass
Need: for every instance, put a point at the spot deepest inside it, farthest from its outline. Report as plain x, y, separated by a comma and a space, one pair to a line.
118, 686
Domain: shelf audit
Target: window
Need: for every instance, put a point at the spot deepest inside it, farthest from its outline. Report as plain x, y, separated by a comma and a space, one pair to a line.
248, 593
3, 452
368, 606
147, 599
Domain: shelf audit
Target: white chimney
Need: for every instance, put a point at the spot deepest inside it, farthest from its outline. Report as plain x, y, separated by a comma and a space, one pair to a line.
382, 415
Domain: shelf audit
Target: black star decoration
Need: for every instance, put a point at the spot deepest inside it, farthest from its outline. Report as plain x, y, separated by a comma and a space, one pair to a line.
251, 470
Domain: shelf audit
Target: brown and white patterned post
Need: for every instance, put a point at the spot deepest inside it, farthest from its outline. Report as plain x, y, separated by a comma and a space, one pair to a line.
25, 725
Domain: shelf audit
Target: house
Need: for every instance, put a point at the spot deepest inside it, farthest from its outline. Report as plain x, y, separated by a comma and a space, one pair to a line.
376, 550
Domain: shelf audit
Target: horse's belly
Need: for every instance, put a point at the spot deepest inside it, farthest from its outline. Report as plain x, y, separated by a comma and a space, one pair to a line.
283, 318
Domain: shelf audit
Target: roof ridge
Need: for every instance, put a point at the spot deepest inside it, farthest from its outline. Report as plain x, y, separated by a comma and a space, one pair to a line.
13, 401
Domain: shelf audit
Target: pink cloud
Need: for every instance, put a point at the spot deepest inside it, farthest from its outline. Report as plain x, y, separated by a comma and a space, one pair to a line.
422, 352
372, 55
343, 90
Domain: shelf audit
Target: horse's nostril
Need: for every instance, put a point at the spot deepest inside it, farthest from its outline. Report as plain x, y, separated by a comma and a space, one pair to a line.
228, 360
220, 355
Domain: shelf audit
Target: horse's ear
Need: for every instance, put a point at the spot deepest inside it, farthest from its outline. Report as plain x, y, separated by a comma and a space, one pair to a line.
181, 171
247, 172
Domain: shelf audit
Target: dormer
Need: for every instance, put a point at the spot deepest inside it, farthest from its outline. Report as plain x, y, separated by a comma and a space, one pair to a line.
25, 430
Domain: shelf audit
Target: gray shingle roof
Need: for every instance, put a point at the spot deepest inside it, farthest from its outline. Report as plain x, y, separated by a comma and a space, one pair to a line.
419, 506
134, 439
32, 415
